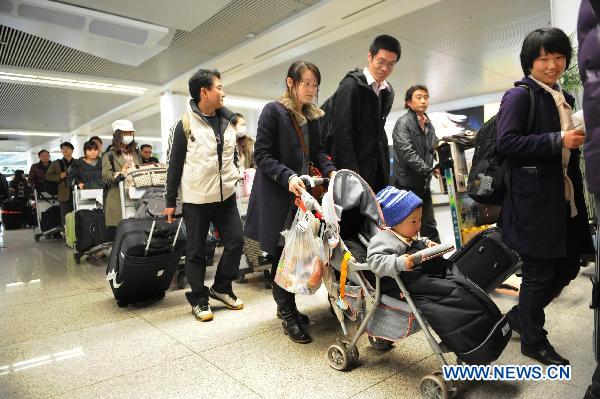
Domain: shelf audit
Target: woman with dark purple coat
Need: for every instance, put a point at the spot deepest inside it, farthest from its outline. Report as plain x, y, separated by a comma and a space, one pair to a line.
544, 217
588, 29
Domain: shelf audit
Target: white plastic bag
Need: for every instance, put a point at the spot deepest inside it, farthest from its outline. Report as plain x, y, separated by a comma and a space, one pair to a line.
300, 269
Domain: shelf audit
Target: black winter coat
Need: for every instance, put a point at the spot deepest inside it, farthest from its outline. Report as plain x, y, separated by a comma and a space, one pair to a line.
414, 152
534, 221
278, 155
357, 122
588, 29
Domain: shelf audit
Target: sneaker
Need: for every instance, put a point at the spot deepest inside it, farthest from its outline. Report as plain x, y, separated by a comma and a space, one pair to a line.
202, 312
229, 299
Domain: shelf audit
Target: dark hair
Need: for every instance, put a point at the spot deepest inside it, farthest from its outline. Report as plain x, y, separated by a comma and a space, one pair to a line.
202, 78
236, 118
295, 72
19, 173
117, 142
95, 138
145, 146
385, 42
40, 153
66, 144
553, 40
411, 90
89, 145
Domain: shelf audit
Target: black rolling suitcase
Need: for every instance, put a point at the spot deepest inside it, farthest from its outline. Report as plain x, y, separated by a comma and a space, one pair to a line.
144, 258
90, 229
50, 218
13, 216
486, 261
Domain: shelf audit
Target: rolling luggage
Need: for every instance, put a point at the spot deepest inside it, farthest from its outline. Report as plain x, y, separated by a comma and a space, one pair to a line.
70, 234
144, 258
485, 260
12, 214
90, 229
50, 218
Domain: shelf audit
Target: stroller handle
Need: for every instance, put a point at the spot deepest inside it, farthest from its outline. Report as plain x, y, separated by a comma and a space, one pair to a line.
314, 181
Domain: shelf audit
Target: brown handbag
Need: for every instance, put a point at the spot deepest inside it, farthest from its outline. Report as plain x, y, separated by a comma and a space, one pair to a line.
318, 191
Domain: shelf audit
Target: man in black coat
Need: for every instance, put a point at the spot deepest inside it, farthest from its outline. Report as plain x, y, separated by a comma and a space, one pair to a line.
361, 105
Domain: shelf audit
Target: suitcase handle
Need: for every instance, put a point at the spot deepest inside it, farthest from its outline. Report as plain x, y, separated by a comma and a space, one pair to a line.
152, 229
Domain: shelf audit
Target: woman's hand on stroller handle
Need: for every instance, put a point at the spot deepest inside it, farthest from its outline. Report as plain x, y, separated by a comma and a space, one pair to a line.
296, 186
313, 181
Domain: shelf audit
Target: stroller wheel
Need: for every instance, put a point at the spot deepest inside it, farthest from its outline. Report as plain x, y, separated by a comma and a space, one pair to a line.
353, 353
380, 343
433, 387
36, 237
338, 357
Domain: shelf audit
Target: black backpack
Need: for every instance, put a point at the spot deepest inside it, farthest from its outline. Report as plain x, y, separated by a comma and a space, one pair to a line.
325, 121
489, 170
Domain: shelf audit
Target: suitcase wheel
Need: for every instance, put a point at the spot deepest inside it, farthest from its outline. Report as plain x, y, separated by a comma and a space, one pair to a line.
241, 277
36, 237
77, 258
122, 304
267, 274
181, 280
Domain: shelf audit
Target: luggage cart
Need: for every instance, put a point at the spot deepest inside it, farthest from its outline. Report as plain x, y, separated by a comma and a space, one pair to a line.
90, 200
43, 203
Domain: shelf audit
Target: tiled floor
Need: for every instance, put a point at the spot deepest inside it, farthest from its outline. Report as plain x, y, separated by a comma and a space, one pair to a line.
63, 336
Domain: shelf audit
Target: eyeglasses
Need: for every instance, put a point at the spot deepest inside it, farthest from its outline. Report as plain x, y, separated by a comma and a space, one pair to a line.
380, 62
310, 85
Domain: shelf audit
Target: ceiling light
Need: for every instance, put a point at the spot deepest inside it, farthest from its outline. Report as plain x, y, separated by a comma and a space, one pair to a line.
71, 83
38, 134
250, 35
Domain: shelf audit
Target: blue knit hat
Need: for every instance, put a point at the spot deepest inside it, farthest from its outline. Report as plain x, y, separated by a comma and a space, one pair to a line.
396, 204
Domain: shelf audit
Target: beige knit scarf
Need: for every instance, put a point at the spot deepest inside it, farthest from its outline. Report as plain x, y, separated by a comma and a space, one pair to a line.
566, 123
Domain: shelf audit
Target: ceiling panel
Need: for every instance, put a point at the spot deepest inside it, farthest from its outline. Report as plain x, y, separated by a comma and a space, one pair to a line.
458, 48
223, 31
26, 107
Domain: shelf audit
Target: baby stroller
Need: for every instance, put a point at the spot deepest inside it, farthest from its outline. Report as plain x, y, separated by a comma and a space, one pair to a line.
385, 319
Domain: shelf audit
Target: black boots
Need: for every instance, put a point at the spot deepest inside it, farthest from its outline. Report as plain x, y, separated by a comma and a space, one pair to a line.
300, 317
292, 328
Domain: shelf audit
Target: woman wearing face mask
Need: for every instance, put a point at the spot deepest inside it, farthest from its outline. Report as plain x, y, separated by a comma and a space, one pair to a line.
280, 159
245, 143
122, 157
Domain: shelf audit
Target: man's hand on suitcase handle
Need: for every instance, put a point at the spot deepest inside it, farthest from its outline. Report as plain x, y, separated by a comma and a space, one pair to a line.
169, 212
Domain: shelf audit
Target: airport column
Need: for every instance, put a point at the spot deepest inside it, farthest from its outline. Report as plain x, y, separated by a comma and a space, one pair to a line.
172, 106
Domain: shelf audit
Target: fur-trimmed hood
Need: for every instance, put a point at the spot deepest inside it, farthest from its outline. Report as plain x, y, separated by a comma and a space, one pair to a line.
309, 111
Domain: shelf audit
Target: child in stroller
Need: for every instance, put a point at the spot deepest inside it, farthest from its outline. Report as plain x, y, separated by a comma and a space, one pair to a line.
389, 250
387, 312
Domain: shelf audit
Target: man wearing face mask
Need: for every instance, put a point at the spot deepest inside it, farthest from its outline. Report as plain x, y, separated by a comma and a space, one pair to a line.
245, 143
122, 157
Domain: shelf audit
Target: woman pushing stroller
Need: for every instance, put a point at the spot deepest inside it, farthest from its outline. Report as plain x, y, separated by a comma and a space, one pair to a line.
287, 142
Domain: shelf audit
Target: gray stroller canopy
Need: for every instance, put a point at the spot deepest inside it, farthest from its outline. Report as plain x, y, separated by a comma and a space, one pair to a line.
349, 191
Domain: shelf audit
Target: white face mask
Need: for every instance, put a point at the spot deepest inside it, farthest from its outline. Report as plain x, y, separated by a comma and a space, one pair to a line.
240, 131
127, 140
